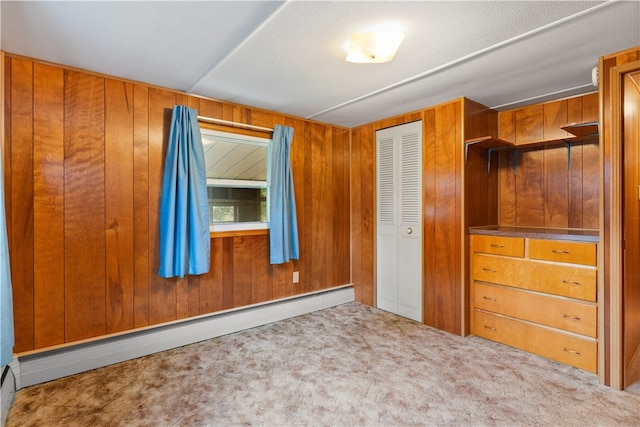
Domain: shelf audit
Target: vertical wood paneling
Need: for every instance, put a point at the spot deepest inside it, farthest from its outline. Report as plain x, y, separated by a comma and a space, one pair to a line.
211, 283
481, 182
356, 214
162, 292
556, 187
282, 286
280, 281
327, 222
95, 166
555, 116
182, 297
21, 203
321, 214
448, 131
228, 273
261, 271
477, 189
530, 189
591, 185
575, 208
141, 256
570, 194
574, 110
308, 207
507, 125
242, 280
429, 251
5, 144
119, 146
576, 181
529, 124
591, 160
591, 108
48, 204
507, 197
479, 121
194, 295
340, 220
368, 213
209, 108
84, 206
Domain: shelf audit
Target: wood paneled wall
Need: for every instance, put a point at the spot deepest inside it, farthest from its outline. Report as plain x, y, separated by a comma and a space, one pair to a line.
84, 155
444, 221
542, 189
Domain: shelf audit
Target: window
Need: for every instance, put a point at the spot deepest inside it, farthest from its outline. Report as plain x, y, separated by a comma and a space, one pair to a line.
237, 184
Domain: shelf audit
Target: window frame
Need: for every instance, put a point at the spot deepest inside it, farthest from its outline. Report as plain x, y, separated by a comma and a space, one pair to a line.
250, 140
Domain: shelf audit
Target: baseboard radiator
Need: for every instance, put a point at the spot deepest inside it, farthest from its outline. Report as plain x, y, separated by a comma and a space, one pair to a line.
49, 365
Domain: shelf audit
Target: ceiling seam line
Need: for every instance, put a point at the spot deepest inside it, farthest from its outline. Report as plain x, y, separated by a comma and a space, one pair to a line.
467, 57
230, 52
533, 98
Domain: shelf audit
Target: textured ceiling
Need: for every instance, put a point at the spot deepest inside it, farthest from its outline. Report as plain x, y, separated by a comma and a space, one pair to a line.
289, 56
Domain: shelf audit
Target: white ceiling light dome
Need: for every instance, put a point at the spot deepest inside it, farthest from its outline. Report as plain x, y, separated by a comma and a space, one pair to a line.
373, 48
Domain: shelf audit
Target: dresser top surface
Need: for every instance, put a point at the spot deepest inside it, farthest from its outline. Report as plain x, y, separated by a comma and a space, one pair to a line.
570, 234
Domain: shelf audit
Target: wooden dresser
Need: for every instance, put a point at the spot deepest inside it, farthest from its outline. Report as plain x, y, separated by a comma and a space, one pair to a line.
536, 294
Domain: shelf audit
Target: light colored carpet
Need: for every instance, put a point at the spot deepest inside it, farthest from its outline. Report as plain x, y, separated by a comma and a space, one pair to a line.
344, 366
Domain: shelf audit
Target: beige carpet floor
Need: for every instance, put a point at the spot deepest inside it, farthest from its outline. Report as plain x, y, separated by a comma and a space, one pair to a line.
344, 366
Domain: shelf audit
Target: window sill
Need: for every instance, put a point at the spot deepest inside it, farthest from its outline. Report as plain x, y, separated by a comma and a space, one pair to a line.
233, 230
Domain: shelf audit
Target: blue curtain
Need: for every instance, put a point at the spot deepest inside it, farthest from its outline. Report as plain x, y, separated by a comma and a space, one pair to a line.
184, 208
6, 301
283, 223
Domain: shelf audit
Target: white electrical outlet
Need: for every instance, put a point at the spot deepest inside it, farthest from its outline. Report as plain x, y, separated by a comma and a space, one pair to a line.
296, 276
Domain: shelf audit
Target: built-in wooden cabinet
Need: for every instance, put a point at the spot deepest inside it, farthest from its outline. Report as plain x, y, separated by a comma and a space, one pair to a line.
538, 295
533, 265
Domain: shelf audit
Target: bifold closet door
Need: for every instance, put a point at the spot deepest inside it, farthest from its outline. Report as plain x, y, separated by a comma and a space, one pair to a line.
399, 220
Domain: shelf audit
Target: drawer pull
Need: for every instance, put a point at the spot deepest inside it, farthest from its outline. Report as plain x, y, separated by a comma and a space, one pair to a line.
557, 251
490, 299
494, 245
571, 282
490, 270
490, 327
577, 353
566, 316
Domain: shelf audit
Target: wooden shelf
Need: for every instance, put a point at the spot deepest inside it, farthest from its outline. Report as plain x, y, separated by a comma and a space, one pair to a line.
582, 130
488, 142
580, 133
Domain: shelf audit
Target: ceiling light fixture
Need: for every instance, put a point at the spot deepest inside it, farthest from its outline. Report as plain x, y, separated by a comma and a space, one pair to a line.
373, 48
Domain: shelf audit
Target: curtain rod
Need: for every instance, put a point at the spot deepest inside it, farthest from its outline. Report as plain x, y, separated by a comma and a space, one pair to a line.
230, 123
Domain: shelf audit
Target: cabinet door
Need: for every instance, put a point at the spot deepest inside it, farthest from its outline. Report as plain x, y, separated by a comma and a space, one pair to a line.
399, 220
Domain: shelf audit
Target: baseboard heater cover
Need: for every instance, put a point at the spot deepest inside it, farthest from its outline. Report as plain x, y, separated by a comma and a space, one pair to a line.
50, 365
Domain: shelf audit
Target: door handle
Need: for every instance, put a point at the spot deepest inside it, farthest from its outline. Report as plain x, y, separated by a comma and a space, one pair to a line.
409, 230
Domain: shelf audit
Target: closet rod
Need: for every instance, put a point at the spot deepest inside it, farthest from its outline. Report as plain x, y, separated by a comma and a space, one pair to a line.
230, 123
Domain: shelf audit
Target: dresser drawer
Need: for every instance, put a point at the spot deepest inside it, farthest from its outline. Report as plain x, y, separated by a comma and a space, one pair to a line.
570, 252
573, 316
498, 245
573, 282
564, 348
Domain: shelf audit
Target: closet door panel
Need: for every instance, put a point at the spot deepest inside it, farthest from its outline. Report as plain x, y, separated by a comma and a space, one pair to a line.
399, 220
